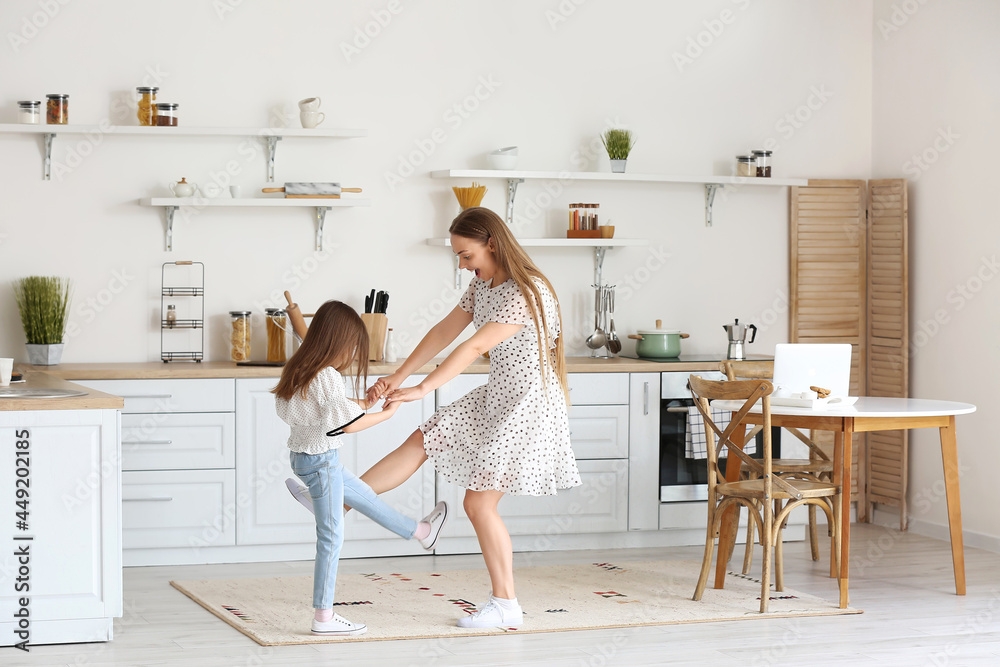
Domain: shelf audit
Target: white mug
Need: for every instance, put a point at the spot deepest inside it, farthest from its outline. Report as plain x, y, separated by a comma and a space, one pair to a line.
310, 104
311, 119
6, 368
234, 191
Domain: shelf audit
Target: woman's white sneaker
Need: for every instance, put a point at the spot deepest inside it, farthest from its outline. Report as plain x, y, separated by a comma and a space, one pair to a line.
492, 615
338, 625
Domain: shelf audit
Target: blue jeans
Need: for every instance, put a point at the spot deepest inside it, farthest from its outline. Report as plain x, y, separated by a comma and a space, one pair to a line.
331, 486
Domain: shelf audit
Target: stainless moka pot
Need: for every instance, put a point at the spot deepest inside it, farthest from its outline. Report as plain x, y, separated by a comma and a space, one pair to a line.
737, 338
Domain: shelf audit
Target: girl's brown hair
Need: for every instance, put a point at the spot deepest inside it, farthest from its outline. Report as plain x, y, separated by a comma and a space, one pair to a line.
337, 337
481, 224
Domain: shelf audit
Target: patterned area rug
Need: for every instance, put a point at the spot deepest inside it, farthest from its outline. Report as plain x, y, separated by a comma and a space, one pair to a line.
395, 605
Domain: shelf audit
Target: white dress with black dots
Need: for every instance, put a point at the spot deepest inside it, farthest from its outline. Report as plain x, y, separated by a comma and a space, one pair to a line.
511, 434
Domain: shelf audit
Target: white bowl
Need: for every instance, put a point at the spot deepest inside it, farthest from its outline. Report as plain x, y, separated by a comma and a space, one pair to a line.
502, 161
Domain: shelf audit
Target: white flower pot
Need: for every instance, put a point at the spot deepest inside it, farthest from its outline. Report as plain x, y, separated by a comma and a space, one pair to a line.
618, 166
44, 355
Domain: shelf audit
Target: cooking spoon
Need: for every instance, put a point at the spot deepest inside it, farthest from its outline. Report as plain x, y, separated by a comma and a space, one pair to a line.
597, 339
614, 344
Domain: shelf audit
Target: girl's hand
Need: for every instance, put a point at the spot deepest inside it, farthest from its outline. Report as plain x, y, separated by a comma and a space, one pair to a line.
406, 394
390, 408
384, 386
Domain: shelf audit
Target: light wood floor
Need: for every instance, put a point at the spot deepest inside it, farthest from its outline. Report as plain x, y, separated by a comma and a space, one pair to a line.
904, 583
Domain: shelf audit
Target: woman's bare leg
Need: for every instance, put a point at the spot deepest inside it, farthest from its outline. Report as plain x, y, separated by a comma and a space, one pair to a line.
494, 540
398, 465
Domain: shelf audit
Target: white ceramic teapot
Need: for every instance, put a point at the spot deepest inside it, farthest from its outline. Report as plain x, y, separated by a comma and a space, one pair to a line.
182, 188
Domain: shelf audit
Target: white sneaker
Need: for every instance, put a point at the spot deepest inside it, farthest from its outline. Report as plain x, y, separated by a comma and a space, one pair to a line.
300, 492
492, 615
436, 518
338, 625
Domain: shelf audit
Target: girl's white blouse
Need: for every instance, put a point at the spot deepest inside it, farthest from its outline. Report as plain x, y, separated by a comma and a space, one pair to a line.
318, 420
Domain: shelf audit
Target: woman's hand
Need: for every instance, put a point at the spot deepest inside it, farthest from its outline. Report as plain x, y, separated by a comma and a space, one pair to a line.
384, 386
406, 394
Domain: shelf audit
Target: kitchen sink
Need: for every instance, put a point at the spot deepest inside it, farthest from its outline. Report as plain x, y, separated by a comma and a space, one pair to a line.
38, 392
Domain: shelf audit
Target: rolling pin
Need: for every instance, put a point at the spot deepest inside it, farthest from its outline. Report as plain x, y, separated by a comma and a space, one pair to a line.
312, 190
296, 317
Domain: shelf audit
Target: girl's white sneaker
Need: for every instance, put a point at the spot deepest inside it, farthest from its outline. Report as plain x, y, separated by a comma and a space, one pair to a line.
492, 615
300, 492
436, 519
338, 625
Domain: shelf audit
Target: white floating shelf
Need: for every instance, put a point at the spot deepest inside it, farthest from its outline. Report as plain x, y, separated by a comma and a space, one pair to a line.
321, 206
711, 183
561, 243
270, 135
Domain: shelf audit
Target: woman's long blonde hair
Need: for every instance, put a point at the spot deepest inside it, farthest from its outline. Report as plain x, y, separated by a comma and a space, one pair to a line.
337, 336
481, 224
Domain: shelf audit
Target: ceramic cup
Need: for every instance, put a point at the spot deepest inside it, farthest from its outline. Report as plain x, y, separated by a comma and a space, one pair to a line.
6, 368
310, 104
234, 191
311, 119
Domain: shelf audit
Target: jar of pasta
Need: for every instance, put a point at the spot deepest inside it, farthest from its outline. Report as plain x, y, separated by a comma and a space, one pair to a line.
277, 334
146, 111
239, 338
57, 109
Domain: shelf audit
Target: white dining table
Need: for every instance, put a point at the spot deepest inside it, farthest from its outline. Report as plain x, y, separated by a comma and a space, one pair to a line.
869, 413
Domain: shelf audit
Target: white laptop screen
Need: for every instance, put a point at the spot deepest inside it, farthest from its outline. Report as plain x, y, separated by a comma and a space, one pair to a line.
798, 366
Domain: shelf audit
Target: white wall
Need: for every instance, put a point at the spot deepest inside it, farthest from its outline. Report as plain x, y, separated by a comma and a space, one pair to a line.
936, 98
557, 82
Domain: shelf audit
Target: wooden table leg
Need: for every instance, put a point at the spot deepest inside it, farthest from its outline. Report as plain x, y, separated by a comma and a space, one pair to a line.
731, 519
845, 438
949, 457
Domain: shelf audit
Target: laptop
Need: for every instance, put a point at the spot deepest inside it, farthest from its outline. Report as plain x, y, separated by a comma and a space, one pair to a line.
798, 366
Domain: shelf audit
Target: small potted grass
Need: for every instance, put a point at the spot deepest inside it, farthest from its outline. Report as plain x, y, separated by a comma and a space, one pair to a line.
44, 306
618, 143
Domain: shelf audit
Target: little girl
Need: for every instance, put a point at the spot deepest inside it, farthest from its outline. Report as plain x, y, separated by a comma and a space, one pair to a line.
311, 398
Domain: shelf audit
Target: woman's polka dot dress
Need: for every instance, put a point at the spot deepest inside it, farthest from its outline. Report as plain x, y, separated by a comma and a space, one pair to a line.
511, 434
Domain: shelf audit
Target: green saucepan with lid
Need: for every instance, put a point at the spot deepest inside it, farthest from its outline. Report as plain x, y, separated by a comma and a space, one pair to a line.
658, 343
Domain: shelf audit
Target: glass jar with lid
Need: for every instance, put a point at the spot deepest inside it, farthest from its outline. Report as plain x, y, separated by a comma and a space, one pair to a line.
166, 114
746, 165
239, 338
763, 159
57, 109
277, 334
29, 112
146, 111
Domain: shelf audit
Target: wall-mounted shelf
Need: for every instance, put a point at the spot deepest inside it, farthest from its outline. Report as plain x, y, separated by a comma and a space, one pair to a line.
321, 206
711, 183
269, 135
600, 247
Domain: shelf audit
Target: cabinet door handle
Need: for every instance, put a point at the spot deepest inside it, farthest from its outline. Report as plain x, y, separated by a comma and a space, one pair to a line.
645, 398
147, 442
151, 498
146, 395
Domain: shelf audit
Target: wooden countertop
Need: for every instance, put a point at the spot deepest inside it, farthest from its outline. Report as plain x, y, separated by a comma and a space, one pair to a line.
228, 369
93, 400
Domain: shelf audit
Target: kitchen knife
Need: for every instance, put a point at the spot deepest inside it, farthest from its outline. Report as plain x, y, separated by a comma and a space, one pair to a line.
306, 189
370, 302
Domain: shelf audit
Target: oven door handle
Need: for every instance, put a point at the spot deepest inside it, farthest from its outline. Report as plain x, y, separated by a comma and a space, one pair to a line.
681, 409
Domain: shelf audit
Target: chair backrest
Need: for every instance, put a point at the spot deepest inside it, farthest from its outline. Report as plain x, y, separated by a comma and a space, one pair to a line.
748, 370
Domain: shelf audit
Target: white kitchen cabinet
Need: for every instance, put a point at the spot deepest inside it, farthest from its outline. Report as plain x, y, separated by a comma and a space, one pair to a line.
159, 396
271, 516
644, 451
73, 564
599, 431
178, 441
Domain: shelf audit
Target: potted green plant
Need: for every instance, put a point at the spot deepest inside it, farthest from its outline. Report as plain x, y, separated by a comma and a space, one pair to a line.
618, 143
44, 305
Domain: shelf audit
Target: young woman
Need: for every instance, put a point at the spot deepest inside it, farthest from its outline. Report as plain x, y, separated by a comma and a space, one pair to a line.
510, 435
311, 398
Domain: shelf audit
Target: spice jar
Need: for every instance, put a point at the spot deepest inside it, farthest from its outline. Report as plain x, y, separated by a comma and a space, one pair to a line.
239, 338
763, 159
57, 109
746, 165
277, 334
146, 111
171, 316
166, 114
29, 112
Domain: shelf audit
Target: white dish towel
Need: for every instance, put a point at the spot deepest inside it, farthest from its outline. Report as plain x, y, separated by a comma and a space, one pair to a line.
695, 444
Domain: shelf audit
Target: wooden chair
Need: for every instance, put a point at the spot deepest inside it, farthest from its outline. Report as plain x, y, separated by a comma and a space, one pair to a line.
817, 468
768, 498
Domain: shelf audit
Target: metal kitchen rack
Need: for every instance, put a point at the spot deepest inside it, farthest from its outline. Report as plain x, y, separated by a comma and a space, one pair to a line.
194, 290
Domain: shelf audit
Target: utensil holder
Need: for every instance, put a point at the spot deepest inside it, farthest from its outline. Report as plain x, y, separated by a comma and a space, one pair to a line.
583, 233
377, 324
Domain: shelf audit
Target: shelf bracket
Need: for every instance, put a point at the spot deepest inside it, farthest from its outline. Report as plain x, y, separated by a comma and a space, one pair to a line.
272, 147
599, 253
169, 210
512, 184
458, 272
710, 190
320, 220
47, 164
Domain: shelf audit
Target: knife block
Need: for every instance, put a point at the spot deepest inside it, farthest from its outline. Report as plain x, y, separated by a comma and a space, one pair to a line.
377, 325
